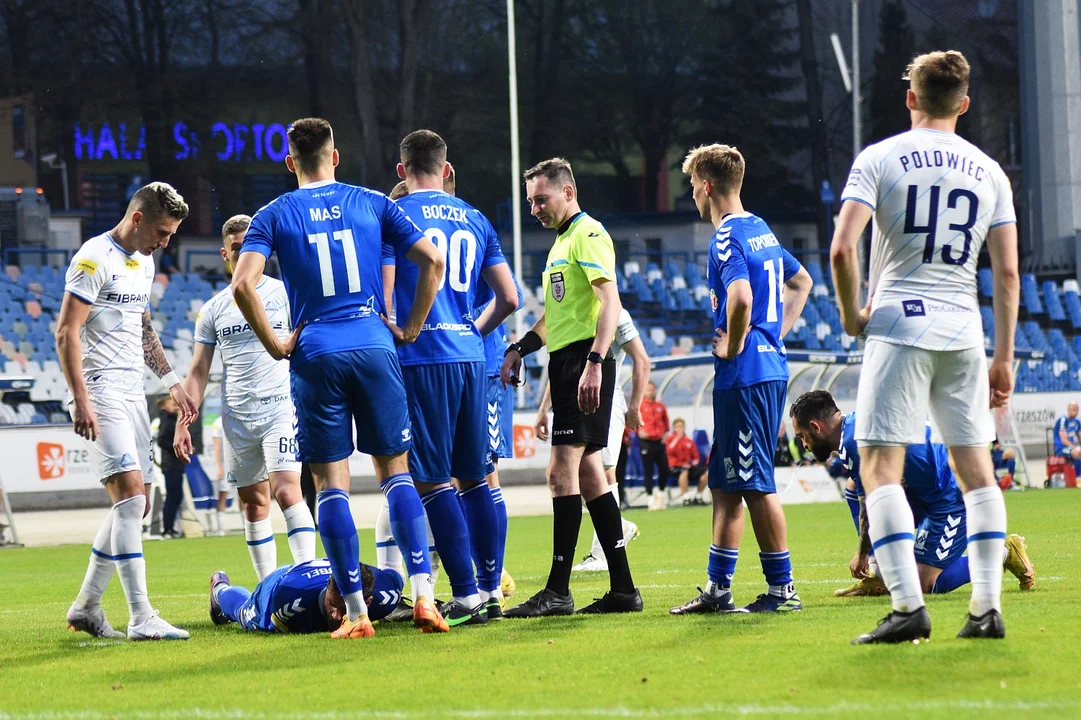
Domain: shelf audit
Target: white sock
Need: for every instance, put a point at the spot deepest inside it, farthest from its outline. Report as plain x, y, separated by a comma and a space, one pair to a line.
715, 590
483, 595
301, 532
468, 601
387, 554
261, 546
891, 524
219, 517
128, 550
101, 568
421, 586
986, 519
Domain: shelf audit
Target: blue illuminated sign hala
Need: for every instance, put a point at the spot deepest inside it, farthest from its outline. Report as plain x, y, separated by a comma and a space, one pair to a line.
230, 143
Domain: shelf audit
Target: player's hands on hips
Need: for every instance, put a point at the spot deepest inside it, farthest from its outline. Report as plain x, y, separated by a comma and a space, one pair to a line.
589, 388
182, 442
634, 418
400, 336
720, 345
1001, 376
85, 420
860, 566
286, 347
510, 373
187, 409
541, 426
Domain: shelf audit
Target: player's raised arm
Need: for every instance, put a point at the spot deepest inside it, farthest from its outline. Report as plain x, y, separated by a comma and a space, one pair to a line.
501, 281
73, 313
1002, 245
844, 259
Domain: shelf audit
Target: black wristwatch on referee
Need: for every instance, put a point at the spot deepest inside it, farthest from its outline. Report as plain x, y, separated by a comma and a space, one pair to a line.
595, 357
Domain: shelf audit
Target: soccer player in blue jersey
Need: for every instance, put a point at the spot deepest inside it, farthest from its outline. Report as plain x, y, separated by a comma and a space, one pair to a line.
328, 237
444, 373
1068, 437
938, 506
758, 291
299, 599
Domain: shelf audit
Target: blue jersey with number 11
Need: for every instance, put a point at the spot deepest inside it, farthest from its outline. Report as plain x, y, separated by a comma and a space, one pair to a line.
469, 243
329, 238
744, 248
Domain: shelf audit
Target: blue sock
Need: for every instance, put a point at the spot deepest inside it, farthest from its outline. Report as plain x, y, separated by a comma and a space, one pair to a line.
339, 534
777, 567
722, 565
1077, 468
231, 599
407, 523
451, 539
501, 525
1011, 466
954, 576
480, 515
853, 501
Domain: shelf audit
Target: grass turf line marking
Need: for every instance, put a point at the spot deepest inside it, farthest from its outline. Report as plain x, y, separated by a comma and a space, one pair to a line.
743, 709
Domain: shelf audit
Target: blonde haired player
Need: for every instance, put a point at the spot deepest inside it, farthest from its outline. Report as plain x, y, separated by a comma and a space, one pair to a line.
258, 419
935, 199
105, 338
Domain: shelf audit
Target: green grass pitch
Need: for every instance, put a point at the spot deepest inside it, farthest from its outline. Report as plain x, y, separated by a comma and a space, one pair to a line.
645, 665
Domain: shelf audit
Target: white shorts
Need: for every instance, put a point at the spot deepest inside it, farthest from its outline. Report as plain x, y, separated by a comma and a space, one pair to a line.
610, 453
124, 440
901, 385
253, 450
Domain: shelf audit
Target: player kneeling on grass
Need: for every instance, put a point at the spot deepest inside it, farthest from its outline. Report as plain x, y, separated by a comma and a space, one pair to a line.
299, 599
933, 494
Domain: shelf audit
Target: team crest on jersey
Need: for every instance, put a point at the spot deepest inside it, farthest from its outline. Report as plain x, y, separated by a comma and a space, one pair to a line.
713, 299
559, 289
131, 264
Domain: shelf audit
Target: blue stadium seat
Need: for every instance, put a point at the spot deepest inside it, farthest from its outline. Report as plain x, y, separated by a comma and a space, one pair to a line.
985, 283
1052, 302
1030, 294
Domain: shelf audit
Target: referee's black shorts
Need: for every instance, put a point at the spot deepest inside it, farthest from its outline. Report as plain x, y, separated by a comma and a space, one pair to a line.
570, 426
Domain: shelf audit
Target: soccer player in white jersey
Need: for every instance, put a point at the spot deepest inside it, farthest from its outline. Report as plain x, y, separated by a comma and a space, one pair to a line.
627, 342
258, 419
104, 338
936, 199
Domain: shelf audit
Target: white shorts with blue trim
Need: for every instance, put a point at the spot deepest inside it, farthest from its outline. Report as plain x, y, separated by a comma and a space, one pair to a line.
901, 385
253, 450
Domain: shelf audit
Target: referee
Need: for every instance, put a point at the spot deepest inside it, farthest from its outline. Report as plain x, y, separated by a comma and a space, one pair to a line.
581, 310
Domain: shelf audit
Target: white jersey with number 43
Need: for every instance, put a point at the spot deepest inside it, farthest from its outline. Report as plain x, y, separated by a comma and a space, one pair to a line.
253, 384
935, 196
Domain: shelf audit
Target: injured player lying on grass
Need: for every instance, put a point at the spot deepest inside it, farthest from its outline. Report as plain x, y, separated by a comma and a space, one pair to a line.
932, 492
299, 599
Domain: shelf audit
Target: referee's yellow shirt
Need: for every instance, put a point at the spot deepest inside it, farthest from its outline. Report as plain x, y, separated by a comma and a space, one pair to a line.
582, 254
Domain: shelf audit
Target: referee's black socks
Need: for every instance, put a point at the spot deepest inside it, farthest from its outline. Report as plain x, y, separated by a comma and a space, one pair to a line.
608, 523
566, 522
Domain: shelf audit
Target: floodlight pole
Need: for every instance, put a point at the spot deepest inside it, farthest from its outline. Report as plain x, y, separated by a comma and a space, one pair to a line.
515, 170
857, 97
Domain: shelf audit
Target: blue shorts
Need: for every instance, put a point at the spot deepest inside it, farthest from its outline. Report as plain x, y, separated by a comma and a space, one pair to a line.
446, 405
941, 537
745, 424
500, 422
364, 386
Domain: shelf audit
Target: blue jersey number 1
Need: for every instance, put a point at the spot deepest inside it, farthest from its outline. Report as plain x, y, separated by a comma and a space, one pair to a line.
931, 228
